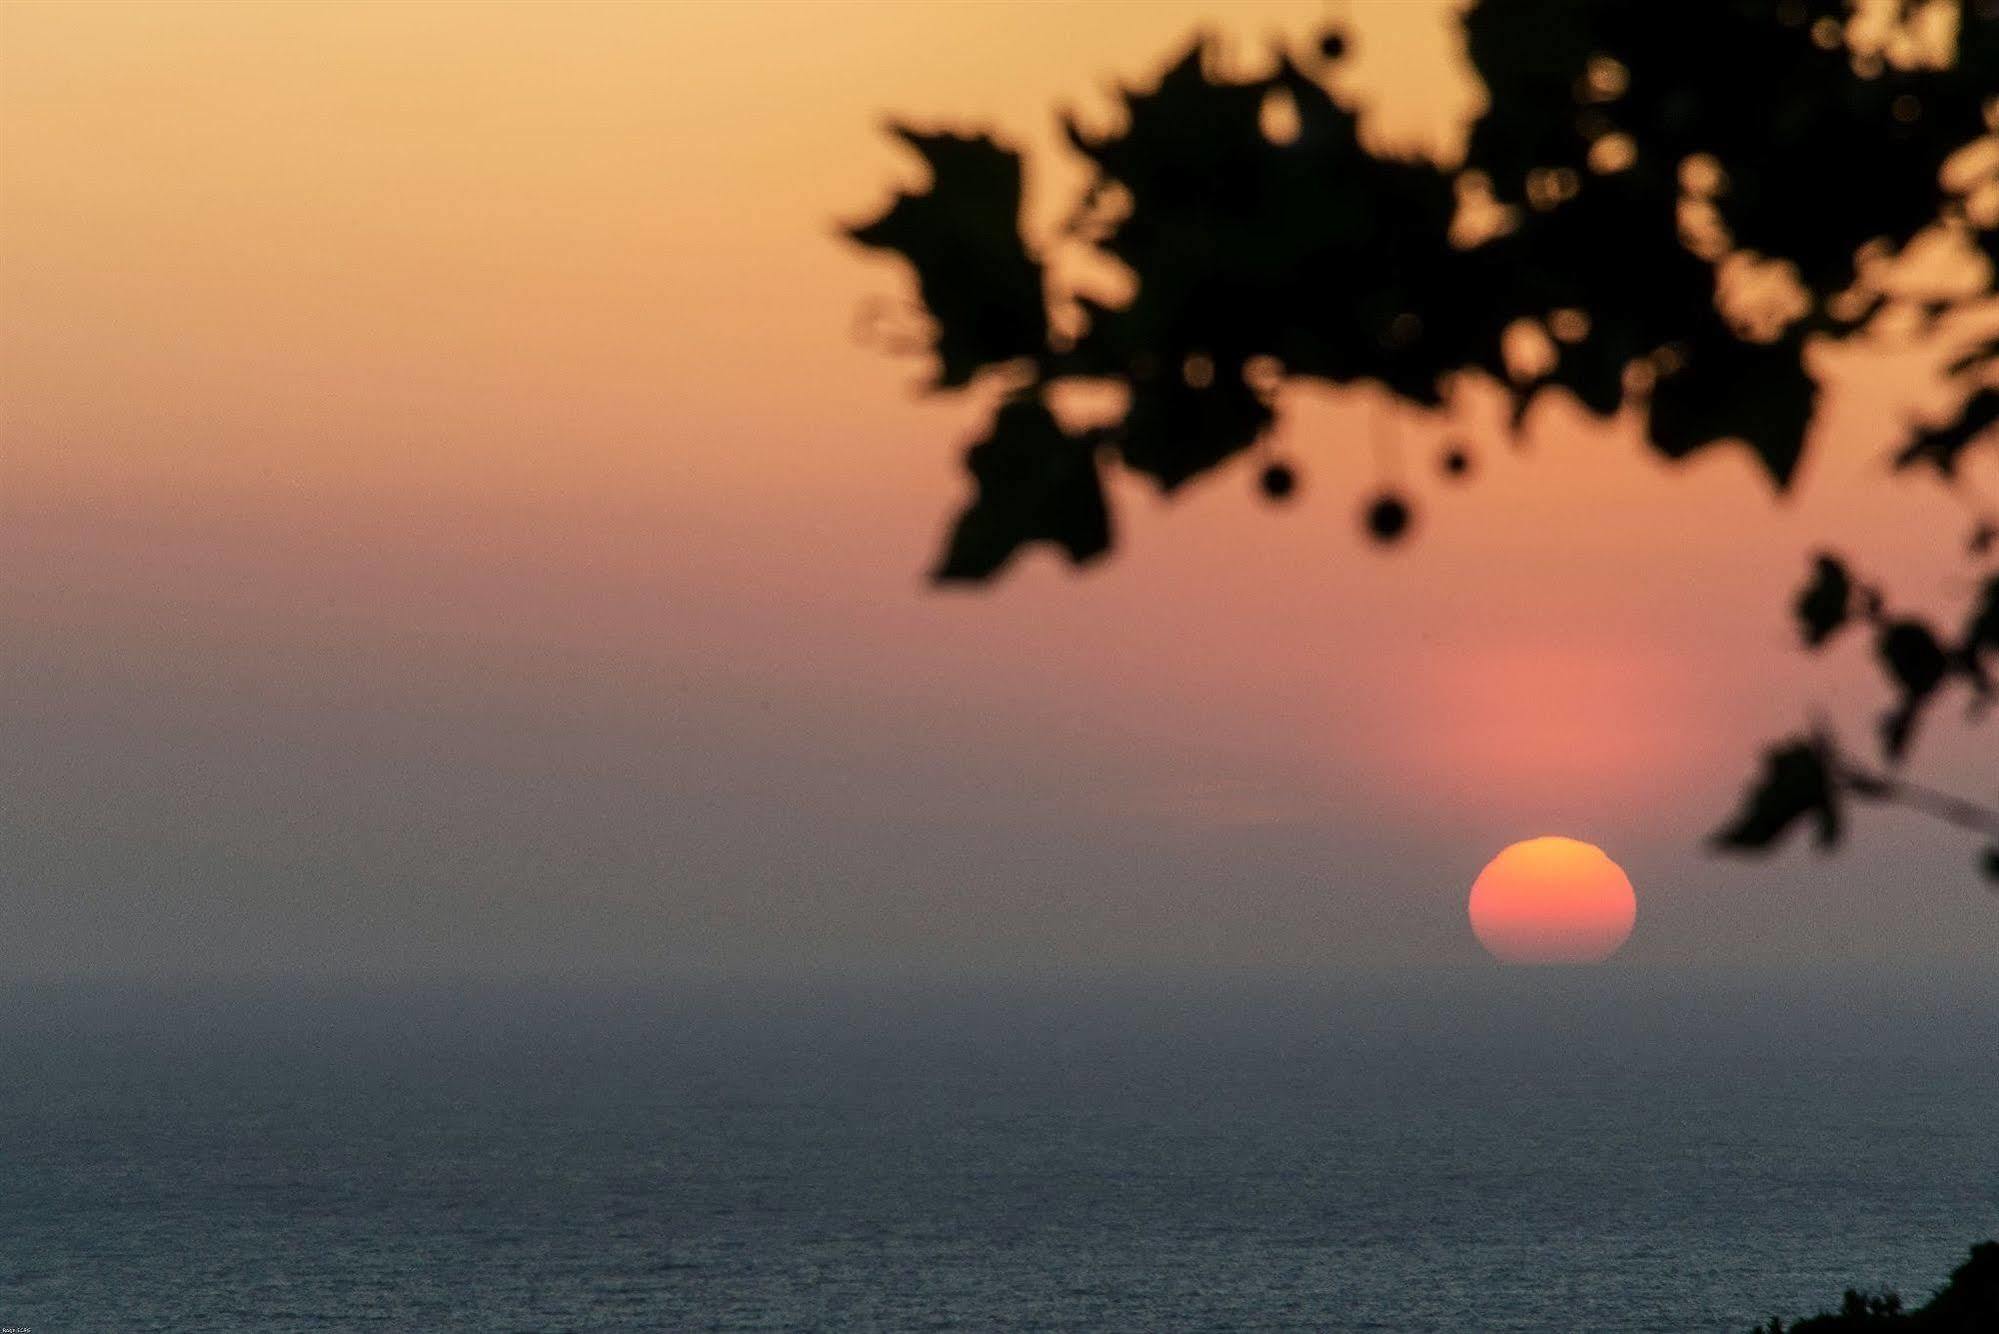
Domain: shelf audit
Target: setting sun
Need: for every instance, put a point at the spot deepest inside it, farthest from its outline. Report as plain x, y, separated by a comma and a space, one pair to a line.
1552, 900
685, 664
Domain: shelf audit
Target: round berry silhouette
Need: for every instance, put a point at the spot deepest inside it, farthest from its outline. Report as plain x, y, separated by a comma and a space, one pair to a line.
1278, 481
1388, 518
1457, 463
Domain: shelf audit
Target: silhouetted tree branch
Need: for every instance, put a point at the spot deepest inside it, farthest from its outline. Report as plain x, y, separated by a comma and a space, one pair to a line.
1951, 809
1663, 208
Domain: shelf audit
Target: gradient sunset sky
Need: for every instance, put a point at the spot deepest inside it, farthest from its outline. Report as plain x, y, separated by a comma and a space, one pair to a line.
448, 523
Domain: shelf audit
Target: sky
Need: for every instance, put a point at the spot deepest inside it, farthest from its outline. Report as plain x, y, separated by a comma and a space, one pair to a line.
449, 524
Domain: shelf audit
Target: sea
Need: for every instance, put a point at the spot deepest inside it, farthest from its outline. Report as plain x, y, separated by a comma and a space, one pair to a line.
1495, 1150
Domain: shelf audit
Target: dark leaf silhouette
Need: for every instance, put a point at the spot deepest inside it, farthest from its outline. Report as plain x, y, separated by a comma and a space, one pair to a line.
1981, 636
1941, 447
1036, 483
1729, 390
1981, 632
1797, 783
1826, 601
1177, 429
1917, 663
962, 236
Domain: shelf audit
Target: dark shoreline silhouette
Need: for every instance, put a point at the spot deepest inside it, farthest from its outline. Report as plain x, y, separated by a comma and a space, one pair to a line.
1967, 1304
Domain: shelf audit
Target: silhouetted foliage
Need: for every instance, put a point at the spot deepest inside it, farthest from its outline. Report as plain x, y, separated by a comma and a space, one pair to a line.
1667, 206
1808, 777
1034, 478
973, 270
1942, 446
1826, 601
1799, 782
1967, 1304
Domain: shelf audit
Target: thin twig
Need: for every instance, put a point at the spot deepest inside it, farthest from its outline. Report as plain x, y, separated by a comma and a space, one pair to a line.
1945, 806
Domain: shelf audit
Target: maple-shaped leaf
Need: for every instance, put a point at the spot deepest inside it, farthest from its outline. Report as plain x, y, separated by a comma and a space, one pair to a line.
962, 236
1941, 446
1797, 783
1728, 389
1036, 483
1825, 602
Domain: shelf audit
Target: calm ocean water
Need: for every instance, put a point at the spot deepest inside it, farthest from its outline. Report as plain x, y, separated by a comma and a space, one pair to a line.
1527, 1151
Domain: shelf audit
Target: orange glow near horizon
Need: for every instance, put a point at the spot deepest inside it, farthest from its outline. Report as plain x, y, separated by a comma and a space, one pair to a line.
459, 430
1552, 900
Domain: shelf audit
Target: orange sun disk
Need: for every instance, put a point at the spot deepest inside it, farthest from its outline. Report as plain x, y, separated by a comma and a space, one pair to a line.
1552, 900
